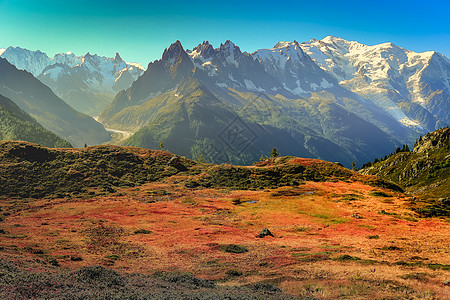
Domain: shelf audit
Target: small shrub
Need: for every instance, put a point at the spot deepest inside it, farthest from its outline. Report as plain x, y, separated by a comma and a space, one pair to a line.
100, 275
383, 212
416, 276
390, 248
192, 184
439, 267
302, 229
112, 257
234, 273
143, 231
379, 194
373, 237
53, 261
347, 257
265, 287
232, 248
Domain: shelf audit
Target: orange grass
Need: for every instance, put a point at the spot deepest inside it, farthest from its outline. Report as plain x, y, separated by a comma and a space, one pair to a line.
188, 226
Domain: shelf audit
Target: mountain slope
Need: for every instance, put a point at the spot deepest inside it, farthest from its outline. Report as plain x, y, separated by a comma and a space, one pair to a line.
413, 87
193, 122
300, 109
88, 83
50, 111
15, 124
425, 171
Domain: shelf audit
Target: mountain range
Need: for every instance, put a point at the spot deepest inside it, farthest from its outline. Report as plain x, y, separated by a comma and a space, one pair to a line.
413, 87
38, 100
331, 99
88, 83
273, 97
17, 125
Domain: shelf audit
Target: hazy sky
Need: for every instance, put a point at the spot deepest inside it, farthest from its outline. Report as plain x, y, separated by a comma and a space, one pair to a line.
140, 30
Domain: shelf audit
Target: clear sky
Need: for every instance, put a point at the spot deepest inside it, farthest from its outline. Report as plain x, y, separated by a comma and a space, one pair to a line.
140, 30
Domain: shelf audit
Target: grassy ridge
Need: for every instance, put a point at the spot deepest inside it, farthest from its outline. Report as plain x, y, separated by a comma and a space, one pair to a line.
29, 170
32, 171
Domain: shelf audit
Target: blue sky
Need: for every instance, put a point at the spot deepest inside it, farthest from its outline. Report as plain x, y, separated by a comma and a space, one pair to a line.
140, 30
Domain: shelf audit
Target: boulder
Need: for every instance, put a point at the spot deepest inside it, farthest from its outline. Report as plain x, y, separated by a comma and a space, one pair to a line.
265, 232
175, 162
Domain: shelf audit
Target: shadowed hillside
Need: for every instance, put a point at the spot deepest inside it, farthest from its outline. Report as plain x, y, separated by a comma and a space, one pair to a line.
15, 124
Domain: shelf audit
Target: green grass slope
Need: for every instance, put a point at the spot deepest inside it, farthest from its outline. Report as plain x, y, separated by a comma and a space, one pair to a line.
15, 124
425, 171
32, 171
49, 110
191, 121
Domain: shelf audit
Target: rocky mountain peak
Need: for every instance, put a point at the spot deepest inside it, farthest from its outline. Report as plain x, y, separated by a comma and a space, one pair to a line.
173, 53
281, 44
204, 50
117, 58
229, 48
289, 47
227, 45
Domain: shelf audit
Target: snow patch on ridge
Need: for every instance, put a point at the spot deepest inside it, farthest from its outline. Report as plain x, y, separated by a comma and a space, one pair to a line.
296, 91
251, 86
54, 72
280, 54
222, 85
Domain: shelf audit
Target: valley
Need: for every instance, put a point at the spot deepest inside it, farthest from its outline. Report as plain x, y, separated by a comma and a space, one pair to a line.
118, 136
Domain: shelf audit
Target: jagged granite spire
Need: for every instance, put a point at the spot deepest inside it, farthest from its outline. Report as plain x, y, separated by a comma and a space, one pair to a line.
174, 53
204, 50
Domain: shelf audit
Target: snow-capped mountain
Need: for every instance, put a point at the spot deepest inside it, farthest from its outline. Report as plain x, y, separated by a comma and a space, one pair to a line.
102, 74
297, 73
413, 87
331, 99
284, 69
228, 67
189, 96
88, 82
39, 101
27, 60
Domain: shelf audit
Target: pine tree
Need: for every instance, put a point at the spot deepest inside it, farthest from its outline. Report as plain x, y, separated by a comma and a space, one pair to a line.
200, 159
353, 165
262, 158
85, 145
274, 152
161, 145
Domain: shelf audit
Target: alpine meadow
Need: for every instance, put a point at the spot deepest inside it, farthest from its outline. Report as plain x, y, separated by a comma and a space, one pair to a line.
232, 150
